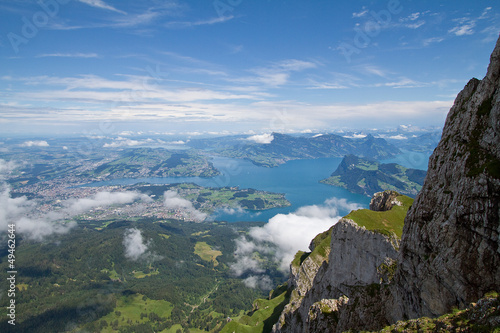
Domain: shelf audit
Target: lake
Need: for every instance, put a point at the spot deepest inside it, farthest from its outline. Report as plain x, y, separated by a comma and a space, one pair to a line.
298, 180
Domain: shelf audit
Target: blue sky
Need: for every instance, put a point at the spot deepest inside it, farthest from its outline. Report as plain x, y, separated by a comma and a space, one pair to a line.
228, 66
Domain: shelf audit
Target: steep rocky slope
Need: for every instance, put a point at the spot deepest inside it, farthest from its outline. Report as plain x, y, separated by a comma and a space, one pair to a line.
449, 254
349, 265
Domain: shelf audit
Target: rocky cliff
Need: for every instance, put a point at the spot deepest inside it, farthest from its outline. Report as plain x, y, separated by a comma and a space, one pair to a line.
348, 266
449, 254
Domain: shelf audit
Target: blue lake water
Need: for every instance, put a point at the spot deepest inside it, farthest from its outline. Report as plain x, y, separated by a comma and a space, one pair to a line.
298, 180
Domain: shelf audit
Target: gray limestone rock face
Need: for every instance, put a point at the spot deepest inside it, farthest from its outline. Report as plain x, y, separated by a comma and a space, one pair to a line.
356, 256
450, 248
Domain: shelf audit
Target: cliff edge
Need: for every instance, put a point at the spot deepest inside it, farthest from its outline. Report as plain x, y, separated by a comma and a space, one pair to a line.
450, 254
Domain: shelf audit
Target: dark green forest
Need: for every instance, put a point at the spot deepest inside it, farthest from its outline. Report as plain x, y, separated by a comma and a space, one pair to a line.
82, 281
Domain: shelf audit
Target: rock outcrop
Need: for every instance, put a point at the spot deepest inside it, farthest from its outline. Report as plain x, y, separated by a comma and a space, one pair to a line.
450, 249
383, 201
449, 254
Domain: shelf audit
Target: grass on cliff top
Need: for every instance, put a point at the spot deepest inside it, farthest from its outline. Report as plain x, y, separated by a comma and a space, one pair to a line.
391, 220
262, 319
321, 249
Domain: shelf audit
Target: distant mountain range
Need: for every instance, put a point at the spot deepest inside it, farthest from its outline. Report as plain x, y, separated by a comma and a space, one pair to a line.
285, 147
367, 177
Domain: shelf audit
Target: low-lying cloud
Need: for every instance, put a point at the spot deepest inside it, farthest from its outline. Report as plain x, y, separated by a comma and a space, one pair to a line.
126, 142
262, 138
34, 225
102, 199
283, 236
35, 144
134, 244
172, 200
6, 167
23, 212
263, 282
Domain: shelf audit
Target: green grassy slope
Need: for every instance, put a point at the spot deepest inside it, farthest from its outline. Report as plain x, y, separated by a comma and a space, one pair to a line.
391, 220
266, 312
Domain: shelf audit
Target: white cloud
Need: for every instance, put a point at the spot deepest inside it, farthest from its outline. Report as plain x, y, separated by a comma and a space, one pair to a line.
415, 25
101, 199
263, 138
284, 235
361, 13
485, 13
17, 211
230, 210
134, 244
35, 144
355, 136
371, 69
263, 282
210, 21
6, 167
172, 200
101, 4
414, 16
125, 142
276, 74
398, 137
34, 225
429, 41
465, 26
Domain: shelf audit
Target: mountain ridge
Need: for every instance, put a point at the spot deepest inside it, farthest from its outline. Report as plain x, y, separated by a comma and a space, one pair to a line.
284, 147
368, 177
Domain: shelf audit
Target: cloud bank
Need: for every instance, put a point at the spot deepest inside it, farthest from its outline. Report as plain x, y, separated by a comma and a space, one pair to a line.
32, 224
172, 200
282, 237
101, 199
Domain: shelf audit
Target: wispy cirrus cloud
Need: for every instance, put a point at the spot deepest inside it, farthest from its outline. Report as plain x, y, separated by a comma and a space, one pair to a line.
276, 74
361, 13
413, 21
208, 21
372, 70
464, 26
102, 5
146, 18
